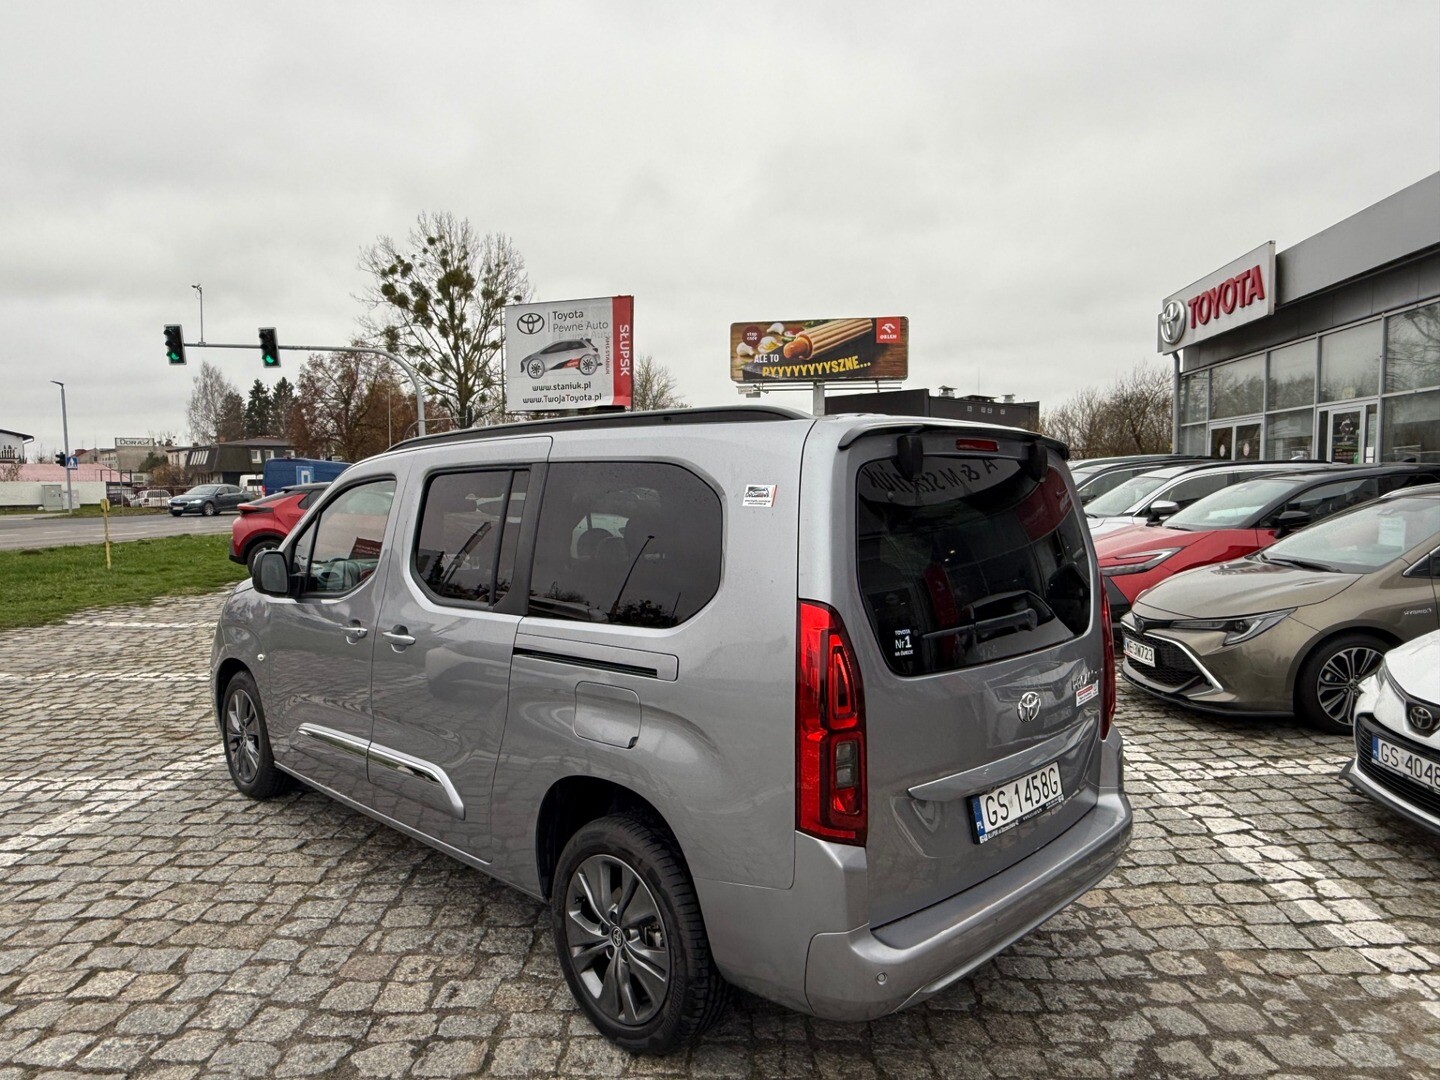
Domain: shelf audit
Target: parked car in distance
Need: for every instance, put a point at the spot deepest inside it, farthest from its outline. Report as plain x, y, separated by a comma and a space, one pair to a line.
207, 499
1155, 495
523, 650
264, 523
1238, 520
119, 496
1295, 628
1093, 479
578, 353
155, 497
1397, 733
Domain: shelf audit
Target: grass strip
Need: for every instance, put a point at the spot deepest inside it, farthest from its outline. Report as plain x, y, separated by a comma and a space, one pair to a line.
42, 585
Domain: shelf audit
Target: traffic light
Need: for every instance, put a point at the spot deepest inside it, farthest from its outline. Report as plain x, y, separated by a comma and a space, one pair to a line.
269, 351
174, 343
60, 459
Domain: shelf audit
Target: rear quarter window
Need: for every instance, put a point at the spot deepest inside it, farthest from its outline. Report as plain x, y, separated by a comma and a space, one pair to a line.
972, 562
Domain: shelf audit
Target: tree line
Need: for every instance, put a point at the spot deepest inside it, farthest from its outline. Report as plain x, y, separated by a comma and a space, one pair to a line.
1132, 415
436, 298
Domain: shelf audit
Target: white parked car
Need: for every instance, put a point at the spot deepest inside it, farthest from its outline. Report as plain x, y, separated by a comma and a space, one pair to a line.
154, 497
1397, 732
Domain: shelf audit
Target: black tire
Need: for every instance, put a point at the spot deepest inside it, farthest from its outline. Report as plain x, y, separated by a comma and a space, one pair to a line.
246, 740
664, 925
267, 543
208, 509
1328, 683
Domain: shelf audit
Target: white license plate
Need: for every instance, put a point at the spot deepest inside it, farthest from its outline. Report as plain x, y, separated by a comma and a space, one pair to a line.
1414, 767
1008, 805
1140, 652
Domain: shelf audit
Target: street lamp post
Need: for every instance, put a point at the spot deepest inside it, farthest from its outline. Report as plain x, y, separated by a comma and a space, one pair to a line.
200, 292
65, 428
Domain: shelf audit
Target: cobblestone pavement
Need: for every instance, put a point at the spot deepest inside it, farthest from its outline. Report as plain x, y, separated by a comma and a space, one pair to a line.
1265, 922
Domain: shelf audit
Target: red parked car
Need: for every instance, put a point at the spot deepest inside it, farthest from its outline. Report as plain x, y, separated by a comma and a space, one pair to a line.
264, 523
1237, 521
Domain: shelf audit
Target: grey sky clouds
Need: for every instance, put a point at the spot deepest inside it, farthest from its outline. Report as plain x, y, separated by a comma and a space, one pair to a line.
1025, 181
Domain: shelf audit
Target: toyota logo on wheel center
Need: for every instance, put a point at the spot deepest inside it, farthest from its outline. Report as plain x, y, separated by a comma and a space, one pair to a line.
532, 322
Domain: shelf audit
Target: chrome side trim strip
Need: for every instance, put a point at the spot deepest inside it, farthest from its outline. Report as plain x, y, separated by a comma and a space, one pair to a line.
420, 769
350, 744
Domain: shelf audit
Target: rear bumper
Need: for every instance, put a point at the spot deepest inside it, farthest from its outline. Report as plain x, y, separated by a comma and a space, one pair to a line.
761, 941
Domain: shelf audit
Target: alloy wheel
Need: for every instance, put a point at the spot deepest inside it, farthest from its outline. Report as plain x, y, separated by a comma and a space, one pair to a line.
1338, 684
242, 737
617, 940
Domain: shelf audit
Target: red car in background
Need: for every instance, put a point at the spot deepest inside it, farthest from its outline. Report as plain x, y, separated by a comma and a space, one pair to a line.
1237, 521
264, 523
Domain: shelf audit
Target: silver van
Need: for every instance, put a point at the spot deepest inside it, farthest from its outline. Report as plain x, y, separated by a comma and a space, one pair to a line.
816, 707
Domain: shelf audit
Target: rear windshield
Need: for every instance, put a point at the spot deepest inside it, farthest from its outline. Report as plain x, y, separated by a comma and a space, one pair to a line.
971, 562
1120, 499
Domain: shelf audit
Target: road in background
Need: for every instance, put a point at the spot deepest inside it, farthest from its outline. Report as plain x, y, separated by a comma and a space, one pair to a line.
61, 531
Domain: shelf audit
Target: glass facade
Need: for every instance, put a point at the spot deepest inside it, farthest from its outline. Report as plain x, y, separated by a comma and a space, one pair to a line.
1368, 392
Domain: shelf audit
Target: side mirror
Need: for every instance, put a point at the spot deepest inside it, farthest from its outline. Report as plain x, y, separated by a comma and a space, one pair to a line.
1291, 520
271, 575
1161, 509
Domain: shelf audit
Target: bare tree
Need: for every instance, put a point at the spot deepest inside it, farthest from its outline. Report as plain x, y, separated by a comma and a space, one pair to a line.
339, 407
439, 299
654, 387
1130, 416
207, 403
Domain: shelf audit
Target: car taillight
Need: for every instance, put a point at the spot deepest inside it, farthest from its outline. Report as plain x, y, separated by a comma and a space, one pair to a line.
830, 797
1107, 696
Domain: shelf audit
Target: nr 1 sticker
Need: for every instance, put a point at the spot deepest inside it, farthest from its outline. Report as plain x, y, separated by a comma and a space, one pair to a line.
1086, 692
760, 494
904, 644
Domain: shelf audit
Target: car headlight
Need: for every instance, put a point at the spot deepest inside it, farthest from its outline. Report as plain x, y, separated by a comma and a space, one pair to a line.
1143, 560
1238, 629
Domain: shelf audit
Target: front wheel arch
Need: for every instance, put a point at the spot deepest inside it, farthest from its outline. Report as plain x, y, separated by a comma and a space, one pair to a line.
1309, 711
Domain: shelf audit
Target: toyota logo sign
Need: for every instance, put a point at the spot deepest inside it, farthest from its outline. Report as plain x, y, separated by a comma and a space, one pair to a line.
1028, 707
1423, 720
532, 322
1172, 322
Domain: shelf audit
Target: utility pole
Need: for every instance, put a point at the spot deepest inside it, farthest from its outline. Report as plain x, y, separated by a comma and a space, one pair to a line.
65, 429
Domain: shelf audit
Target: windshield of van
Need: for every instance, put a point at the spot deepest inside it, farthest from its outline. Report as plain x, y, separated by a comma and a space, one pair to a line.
1120, 499
970, 563
1362, 540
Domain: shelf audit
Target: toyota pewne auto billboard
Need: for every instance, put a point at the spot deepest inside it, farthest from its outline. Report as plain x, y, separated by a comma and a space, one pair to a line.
569, 354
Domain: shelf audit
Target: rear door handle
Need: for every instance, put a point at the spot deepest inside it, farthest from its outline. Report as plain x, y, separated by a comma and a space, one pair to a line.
398, 637
353, 632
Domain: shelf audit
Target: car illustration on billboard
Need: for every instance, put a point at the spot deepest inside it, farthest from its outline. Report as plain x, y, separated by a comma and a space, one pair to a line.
579, 354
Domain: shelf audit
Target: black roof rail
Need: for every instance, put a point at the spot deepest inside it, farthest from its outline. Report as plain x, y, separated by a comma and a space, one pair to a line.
721, 414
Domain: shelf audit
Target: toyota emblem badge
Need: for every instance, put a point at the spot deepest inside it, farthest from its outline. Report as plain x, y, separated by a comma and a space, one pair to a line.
532, 322
1422, 719
1028, 707
1172, 322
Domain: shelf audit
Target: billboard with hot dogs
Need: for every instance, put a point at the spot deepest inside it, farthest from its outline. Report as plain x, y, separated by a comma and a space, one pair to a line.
820, 350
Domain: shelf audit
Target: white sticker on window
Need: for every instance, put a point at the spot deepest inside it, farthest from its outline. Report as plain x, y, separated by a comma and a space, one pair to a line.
760, 494
904, 646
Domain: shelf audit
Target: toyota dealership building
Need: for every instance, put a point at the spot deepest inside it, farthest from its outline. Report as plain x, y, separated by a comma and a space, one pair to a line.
1329, 349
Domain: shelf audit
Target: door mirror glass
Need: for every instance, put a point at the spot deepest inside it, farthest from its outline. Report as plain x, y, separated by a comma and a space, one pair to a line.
271, 575
1161, 509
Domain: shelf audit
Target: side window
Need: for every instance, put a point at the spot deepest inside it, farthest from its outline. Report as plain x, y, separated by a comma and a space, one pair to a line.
1197, 487
634, 543
341, 548
1320, 502
459, 554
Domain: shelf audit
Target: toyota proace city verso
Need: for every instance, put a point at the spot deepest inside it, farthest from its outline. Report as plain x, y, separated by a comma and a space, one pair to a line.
820, 708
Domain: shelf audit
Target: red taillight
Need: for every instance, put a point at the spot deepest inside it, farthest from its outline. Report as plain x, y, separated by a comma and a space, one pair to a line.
985, 446
829, 729
1107, 697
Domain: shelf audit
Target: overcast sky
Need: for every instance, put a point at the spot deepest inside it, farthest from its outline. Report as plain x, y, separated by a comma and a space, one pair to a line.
1024, 181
